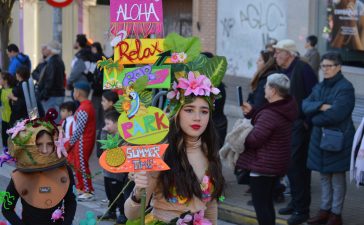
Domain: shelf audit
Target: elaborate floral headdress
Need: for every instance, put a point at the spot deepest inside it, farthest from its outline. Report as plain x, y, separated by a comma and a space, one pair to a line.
195, 74
22, 144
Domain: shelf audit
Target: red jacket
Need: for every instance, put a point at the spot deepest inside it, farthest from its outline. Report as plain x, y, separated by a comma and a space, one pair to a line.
268, 145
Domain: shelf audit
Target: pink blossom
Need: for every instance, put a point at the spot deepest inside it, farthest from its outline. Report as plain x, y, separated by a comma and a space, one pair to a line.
175, 57
20, 126
174, 92
185, 220
193, 85
199, 219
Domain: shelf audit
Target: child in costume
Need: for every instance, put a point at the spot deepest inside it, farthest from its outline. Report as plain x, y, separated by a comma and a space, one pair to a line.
114, 182
194, 182
83, 140
68, 124
7, 82
42, 180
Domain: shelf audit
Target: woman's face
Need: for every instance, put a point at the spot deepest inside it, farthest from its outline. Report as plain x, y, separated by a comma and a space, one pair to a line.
45, 144
106, 104
269, 92
329, 68
194, 117
260, 62
93, 50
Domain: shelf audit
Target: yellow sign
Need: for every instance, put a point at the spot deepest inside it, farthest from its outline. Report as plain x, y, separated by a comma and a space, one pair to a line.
143, 129
138, 51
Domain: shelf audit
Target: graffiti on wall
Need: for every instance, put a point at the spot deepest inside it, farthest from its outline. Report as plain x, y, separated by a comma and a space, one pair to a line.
243, 29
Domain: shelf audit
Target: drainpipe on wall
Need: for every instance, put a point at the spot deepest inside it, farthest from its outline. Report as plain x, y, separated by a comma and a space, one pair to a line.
21, 25
80, 17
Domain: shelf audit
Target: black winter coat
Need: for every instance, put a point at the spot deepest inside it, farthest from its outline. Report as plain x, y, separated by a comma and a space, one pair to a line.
339, 93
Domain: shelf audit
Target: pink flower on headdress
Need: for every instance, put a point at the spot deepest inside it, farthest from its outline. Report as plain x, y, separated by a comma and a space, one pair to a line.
174, 92
175, 57
20, 126
194, 85
185, 220
198, 219
210, 88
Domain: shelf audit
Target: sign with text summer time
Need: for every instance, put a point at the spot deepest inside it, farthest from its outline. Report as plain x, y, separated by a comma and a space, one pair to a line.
139, 18
158, 76
137, 158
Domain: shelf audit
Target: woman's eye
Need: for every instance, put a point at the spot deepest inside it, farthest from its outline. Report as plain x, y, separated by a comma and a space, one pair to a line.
188, 110
205, 112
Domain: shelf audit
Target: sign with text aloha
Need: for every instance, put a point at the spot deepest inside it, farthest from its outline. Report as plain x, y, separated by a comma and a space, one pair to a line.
139, 51
138, 18
158, 76
138, 158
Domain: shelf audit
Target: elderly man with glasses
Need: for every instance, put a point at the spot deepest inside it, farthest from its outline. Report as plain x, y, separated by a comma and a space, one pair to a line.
302, 78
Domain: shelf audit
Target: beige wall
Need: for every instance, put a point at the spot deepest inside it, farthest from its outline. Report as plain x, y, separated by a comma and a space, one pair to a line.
204, 12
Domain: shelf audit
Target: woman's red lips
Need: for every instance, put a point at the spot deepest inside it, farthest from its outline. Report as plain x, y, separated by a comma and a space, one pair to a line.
195, 126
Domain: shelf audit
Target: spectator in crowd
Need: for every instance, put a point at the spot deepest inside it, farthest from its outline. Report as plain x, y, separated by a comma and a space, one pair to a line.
269, 45
267, 147
40, 67
68, 124
96, 84
82, 64
17, 59
7, 82
266, 65
51, 81
330, 106
302, 79
83, 140
17, 98
312, 55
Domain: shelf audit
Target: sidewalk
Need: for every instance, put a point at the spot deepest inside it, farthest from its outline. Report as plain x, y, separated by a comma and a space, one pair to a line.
235, 209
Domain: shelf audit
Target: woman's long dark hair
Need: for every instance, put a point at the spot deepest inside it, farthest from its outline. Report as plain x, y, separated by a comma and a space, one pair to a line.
269, 65
181, 175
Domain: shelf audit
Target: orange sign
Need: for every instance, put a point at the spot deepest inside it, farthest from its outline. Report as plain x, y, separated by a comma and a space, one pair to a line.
138, 51
134, 159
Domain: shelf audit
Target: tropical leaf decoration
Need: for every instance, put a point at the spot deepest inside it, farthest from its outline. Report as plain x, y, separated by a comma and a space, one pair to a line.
110, 142
215, 69
198, 63
146, 97
177, 44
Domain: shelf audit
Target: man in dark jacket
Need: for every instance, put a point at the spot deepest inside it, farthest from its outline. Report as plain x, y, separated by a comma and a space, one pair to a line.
51, 81
303, 78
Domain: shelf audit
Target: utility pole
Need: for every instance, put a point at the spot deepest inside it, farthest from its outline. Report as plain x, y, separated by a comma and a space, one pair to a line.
57, 24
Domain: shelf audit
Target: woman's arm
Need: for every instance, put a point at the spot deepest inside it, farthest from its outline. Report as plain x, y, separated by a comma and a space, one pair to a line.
142, 180
8, 208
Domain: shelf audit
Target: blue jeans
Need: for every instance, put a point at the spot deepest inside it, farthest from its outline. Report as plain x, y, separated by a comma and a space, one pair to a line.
333, 188
53, 102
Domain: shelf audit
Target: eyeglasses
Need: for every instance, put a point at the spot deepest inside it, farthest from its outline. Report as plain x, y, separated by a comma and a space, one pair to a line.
329, 66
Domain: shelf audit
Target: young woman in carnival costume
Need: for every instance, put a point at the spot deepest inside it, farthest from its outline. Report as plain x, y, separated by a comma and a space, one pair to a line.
41, 180
189, 191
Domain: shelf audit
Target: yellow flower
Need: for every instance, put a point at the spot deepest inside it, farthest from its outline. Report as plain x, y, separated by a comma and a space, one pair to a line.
126, 105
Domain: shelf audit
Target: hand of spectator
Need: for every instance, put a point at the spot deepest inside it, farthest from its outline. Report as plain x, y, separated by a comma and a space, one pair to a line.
12, 97
325, 107
246, 107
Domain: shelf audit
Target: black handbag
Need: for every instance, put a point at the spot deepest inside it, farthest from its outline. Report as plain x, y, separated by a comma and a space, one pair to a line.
332, 140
